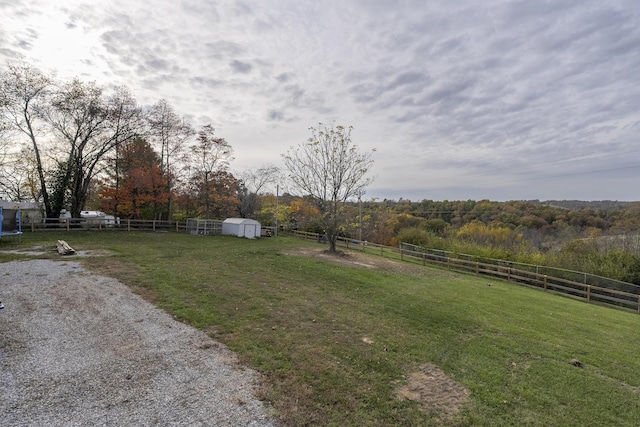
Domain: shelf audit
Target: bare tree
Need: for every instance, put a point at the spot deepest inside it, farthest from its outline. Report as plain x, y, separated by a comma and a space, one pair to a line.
253, 181
24, 91
5, 158
91, 125
18, 176
4, 140
210, 159
330, 168
170, 132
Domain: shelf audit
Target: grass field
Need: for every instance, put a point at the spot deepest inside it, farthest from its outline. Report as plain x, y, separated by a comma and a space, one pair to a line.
336, 341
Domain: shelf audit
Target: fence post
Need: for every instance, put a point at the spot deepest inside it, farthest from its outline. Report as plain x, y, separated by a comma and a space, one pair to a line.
448, 263
67, 221
545, 282
588, 293
128, 224
477, 268
509, 274
401, 255
424, 259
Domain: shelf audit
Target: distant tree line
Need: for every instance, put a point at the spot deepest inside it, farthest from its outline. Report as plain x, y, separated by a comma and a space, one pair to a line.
603, 241
500, 224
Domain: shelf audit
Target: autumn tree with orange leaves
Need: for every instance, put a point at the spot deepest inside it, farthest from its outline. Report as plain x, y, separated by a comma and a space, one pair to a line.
141, 188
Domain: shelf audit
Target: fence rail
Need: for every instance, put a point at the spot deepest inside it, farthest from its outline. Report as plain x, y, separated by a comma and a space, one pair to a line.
73, 224
559, 273
192, 226
549, 283
563, 273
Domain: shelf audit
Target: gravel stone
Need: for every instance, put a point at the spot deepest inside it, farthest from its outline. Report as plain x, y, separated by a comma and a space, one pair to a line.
78, 349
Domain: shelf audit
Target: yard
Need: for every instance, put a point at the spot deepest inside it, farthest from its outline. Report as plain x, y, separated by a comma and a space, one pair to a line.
360, 340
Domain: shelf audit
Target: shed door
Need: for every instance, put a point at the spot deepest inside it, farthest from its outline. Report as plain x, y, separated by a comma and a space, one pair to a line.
250, 231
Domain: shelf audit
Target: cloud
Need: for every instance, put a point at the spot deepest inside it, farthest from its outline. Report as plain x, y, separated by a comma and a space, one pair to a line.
283, 77
205, 81
241, 66
274, 115
223, 49
454, 94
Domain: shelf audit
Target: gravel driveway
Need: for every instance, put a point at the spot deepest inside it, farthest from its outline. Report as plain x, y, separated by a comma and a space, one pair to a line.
82, 350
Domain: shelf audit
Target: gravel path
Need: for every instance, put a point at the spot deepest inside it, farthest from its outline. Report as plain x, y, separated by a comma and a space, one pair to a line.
82, 350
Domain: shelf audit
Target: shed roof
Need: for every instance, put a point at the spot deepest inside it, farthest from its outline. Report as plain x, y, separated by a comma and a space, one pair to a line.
240, 221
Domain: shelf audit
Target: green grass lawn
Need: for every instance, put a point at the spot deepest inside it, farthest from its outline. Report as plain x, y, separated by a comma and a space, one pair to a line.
334, 342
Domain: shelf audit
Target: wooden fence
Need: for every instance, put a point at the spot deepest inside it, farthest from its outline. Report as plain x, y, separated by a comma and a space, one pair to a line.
200, 227
588, 293
73, 224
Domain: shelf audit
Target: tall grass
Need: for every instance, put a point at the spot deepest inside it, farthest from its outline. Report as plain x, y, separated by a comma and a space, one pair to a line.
595, 255
302, 322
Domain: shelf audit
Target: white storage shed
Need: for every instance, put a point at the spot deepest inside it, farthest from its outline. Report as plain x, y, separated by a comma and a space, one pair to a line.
241, 227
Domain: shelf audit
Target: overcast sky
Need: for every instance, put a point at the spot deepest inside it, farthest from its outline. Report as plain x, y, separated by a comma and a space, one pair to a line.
492, 99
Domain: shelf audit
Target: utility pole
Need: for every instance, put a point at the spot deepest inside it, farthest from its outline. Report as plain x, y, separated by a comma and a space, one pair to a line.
360, 209
277, 195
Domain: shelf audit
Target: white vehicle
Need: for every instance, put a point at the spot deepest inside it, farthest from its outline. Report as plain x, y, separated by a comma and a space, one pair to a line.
99, 217
93, 218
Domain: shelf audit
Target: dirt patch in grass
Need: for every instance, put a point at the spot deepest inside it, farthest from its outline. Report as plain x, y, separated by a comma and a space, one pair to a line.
358, 259
32, 251
437, 394
51, 252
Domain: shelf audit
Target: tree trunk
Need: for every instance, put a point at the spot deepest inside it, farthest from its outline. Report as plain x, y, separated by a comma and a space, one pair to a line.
333, 238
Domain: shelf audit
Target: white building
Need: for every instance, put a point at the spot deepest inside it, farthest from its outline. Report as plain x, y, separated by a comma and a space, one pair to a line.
29, 211
241, 227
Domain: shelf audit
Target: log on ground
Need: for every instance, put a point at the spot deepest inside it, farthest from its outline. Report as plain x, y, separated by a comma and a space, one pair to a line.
64, 248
